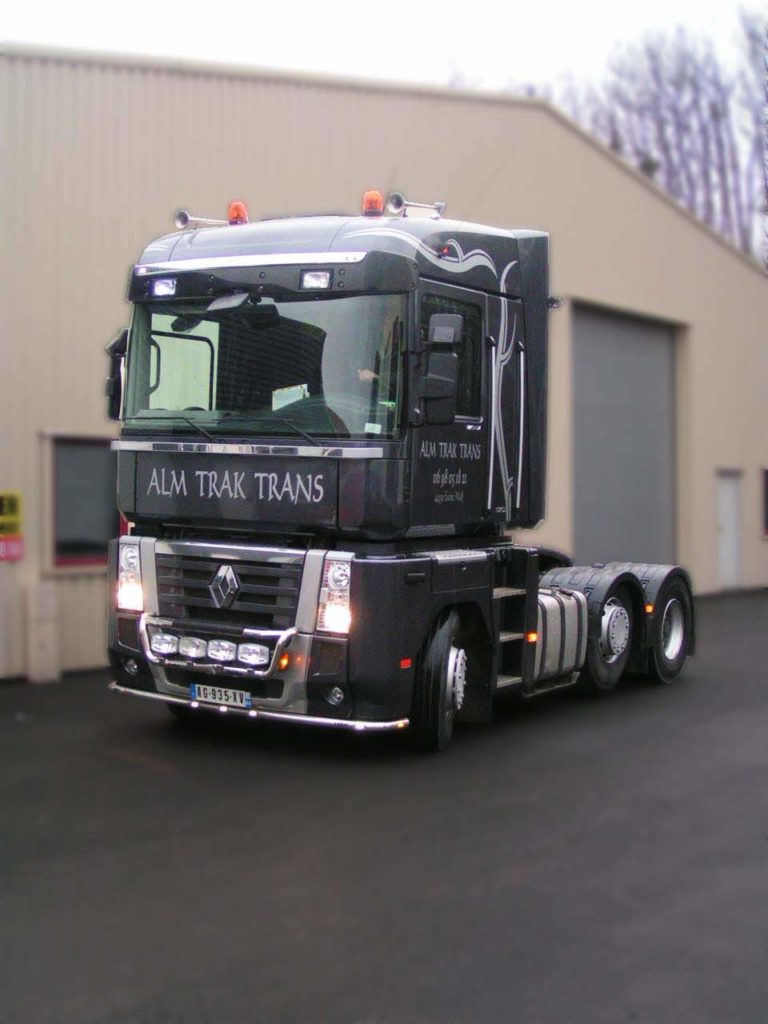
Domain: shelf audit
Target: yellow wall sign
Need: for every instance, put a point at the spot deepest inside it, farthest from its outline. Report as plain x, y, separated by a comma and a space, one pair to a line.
11, 526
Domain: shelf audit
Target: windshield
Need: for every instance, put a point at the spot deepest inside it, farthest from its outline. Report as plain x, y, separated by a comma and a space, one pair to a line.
317, 367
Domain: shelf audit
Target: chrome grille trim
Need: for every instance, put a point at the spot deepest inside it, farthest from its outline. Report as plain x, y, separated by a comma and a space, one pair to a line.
238, 448
268, 592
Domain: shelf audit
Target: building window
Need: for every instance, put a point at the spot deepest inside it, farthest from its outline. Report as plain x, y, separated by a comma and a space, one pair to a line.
85, 513
469, 349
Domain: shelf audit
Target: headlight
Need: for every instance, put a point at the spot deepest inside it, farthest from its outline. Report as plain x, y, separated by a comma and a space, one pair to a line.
130, 593
338, 575
333, 612
129, 557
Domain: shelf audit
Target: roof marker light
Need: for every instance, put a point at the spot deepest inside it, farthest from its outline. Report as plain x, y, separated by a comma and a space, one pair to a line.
373, 204
164, 287
316, 279
238, 213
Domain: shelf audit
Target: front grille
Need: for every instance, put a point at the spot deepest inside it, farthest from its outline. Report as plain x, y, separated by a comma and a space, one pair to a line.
266, 599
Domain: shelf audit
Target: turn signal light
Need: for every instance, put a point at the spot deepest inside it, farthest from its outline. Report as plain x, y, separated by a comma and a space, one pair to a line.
532, 638
649, 609
284, 662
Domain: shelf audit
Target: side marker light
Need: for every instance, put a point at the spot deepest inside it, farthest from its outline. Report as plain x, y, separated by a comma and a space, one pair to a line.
284, 662
649, 609
532, 638
316, 279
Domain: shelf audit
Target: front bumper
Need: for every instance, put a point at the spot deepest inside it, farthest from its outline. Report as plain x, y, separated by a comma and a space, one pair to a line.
279, 716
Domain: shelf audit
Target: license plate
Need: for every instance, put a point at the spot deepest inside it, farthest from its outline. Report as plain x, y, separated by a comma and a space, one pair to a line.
218, 695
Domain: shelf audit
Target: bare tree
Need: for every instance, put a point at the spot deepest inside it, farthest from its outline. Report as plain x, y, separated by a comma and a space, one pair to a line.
673, 109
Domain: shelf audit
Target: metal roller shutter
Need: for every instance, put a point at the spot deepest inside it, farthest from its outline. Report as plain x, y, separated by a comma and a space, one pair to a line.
624, 438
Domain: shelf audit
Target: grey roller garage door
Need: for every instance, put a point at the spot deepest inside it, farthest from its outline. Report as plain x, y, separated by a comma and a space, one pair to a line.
624, 438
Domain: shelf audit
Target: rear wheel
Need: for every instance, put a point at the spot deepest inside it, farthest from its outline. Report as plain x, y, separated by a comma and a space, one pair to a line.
671, 631
607, 655
439, 690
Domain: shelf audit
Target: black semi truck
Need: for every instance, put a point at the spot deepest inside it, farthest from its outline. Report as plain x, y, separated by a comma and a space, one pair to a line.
331, 427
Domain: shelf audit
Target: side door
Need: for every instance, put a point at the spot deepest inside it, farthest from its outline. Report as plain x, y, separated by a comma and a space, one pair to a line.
450, 461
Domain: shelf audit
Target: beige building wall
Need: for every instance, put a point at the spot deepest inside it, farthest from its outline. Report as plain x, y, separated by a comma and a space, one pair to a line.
98, 153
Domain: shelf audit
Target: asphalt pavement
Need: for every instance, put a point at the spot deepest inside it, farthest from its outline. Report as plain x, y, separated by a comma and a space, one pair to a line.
576, 862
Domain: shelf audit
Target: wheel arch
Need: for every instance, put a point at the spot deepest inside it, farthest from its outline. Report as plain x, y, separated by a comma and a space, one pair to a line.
653, 579
476, 634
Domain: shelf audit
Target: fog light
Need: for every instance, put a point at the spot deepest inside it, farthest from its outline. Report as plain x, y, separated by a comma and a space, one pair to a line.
222, 650
131, 667
191, 647
335, 695
253, 654
164, 643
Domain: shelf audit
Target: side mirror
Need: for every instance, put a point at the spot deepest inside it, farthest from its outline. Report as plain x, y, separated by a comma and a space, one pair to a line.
445, 328
438, 387
116, 350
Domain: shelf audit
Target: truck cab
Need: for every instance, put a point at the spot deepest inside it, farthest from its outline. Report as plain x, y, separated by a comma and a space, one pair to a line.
329, 424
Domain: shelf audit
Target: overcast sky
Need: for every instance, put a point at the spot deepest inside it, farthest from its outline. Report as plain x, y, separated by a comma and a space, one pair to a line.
490, 45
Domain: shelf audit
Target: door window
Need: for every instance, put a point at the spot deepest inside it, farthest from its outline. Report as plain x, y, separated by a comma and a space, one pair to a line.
468, 350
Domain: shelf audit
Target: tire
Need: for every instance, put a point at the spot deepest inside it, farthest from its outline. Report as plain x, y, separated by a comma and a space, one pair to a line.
439, 689
607, 656
671, 632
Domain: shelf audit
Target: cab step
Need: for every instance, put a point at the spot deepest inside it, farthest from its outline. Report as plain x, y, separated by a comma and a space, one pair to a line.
504, 681
501, 592
550, 685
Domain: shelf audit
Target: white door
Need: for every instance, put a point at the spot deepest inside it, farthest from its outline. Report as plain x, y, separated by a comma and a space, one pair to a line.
729, 527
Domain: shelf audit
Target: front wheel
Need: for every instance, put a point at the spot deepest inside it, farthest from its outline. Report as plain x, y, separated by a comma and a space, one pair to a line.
440, 686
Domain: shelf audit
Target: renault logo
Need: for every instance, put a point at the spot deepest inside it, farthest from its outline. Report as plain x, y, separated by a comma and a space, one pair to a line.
224, 586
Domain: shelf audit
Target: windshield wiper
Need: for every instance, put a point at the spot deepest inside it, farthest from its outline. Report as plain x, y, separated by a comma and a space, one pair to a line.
273, 419
184, 419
